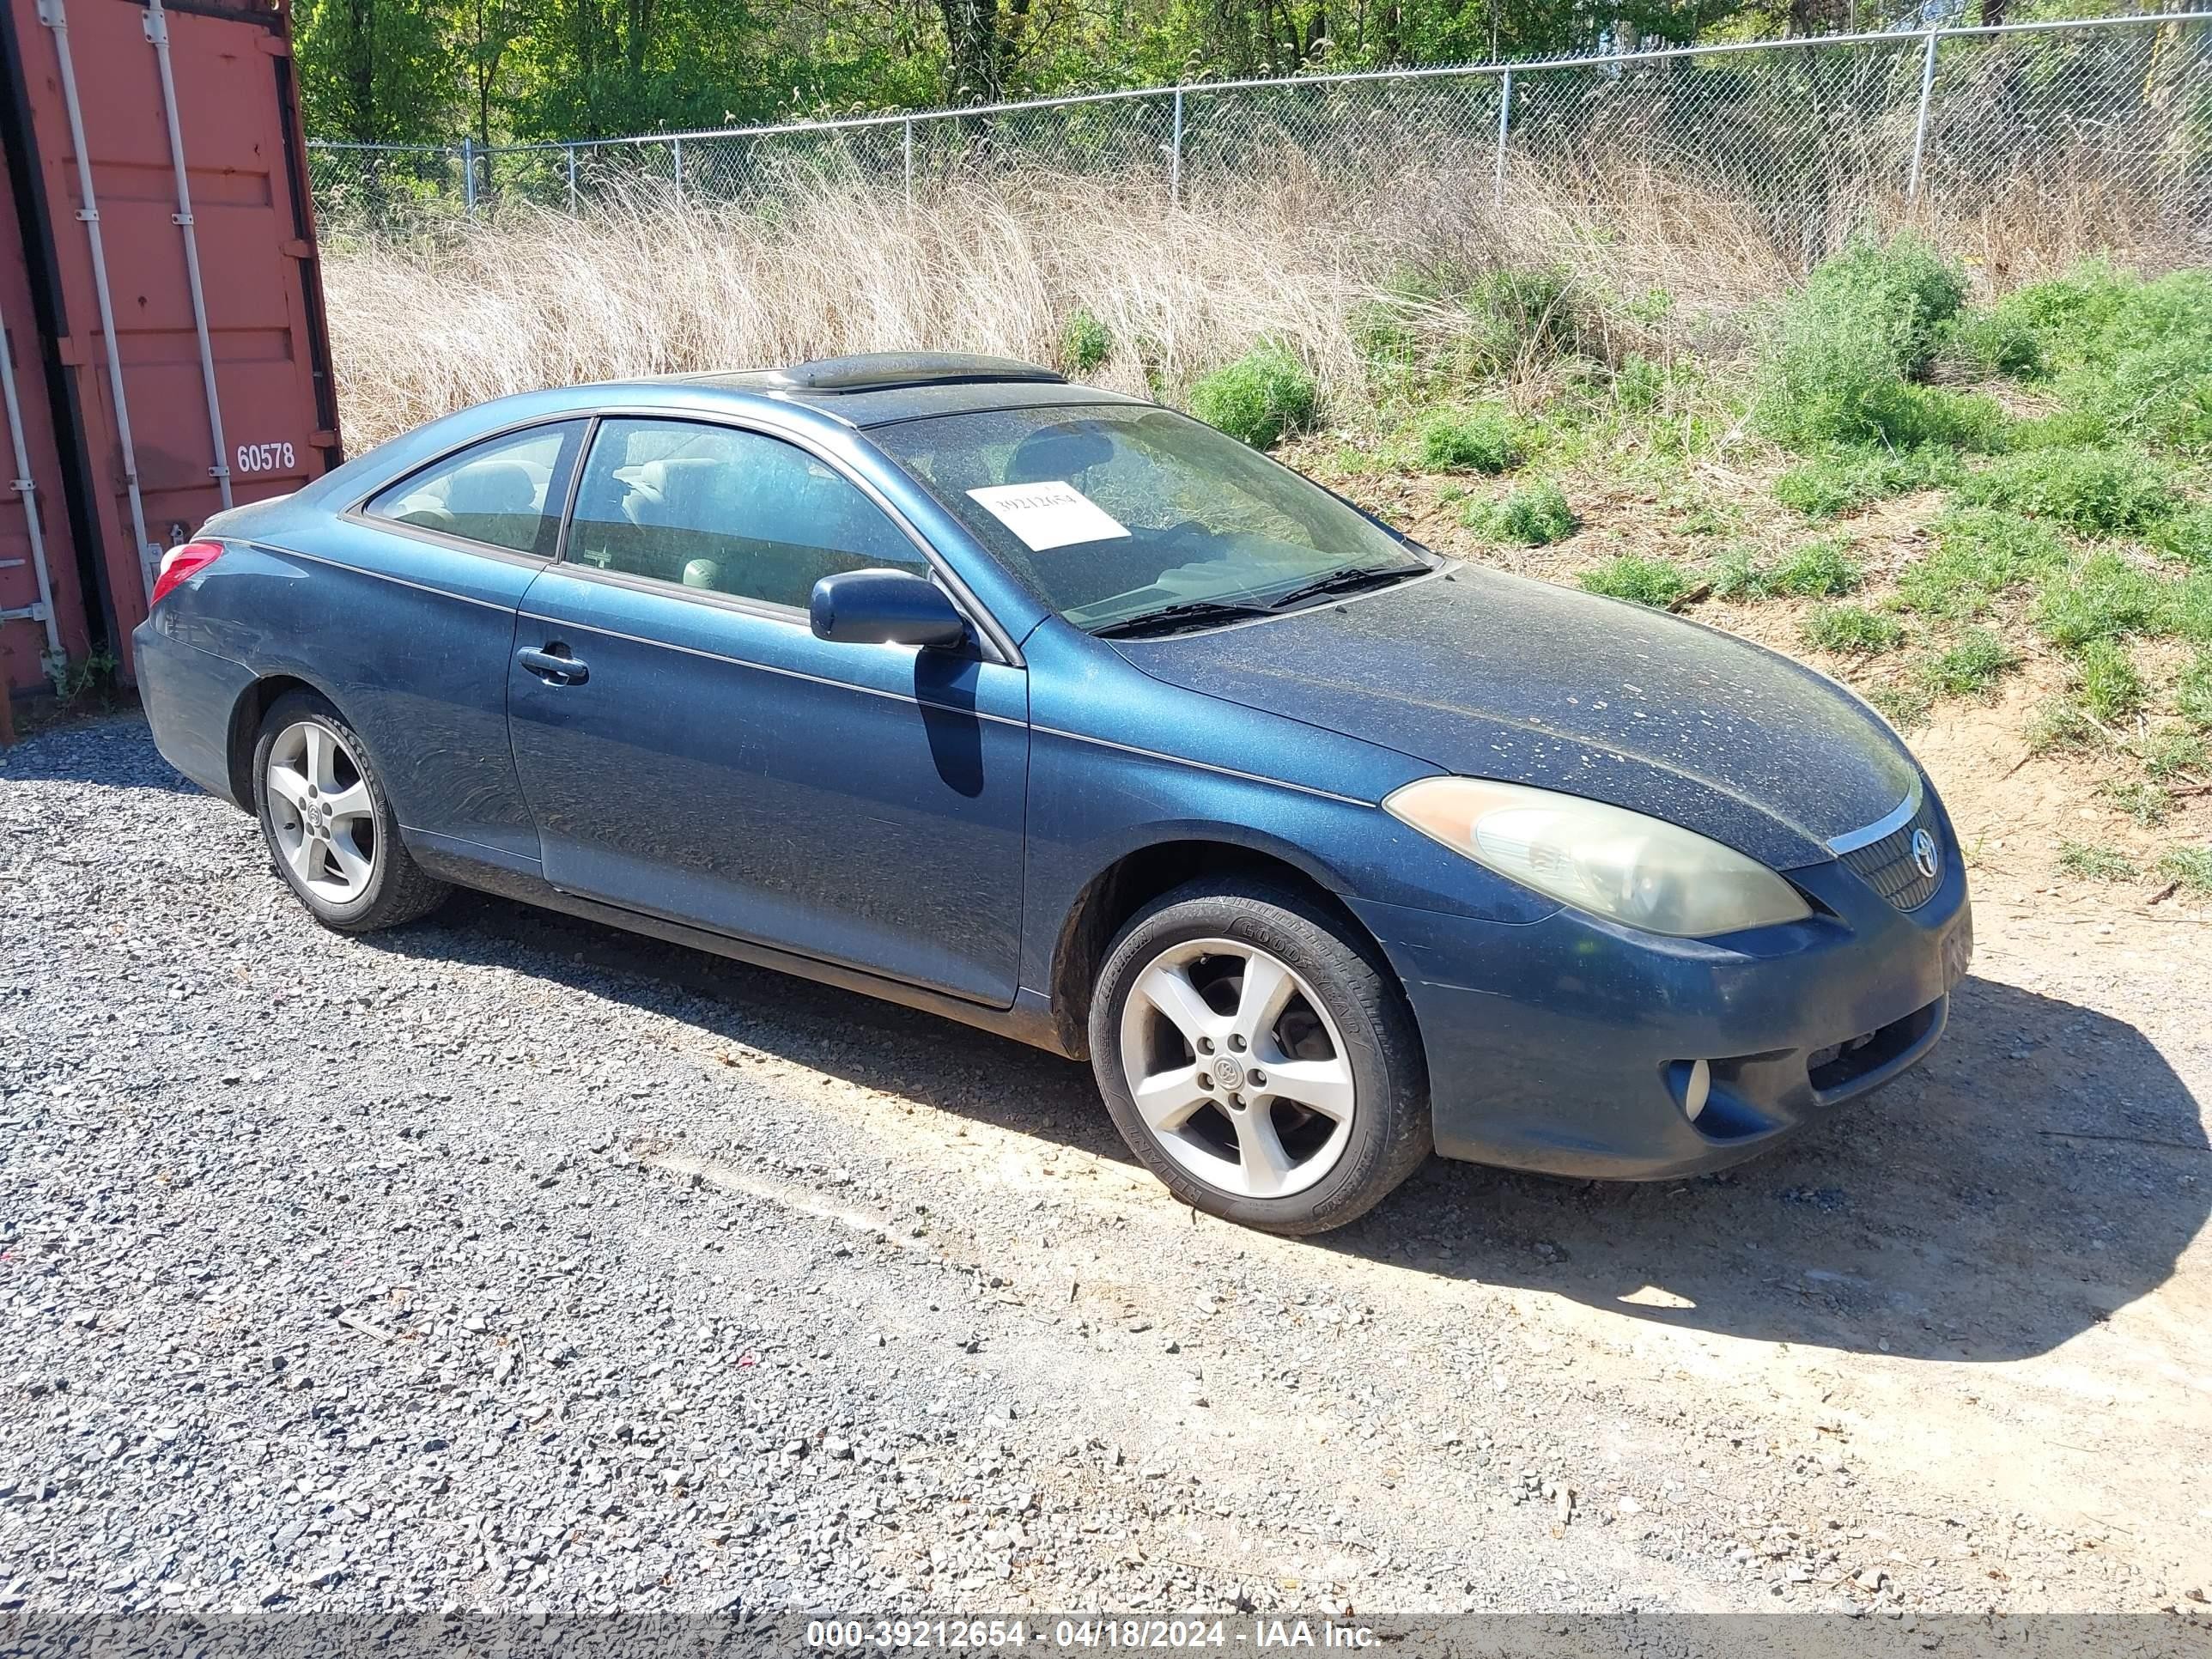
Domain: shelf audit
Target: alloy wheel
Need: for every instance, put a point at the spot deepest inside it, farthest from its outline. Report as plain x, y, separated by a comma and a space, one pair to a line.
1236, 1068
318, 804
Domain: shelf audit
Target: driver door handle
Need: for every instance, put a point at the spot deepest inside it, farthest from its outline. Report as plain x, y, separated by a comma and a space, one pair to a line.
554, 665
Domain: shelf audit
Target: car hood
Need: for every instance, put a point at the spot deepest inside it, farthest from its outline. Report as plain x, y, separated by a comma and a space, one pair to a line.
1493, 676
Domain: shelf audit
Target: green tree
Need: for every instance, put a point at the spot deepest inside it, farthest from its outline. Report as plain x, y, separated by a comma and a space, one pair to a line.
375, 71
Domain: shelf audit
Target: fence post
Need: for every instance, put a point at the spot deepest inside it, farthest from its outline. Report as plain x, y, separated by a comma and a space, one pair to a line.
908, 146
571, 150
676, 146
1920, 121
1498, 164
1175, 155
469, 174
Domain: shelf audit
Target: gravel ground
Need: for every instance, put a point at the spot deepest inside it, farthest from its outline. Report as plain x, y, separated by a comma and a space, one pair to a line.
507, 1262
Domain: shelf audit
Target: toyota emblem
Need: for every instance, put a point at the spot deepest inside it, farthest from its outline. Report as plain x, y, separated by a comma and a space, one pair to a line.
1924, 856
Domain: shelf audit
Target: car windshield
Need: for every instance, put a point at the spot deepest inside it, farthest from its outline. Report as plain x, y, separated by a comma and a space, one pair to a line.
1126, 518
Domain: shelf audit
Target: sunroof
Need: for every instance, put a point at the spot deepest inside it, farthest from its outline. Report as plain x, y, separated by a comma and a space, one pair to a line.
871, 371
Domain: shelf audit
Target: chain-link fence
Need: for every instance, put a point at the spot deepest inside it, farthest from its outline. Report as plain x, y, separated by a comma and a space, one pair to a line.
2110, 118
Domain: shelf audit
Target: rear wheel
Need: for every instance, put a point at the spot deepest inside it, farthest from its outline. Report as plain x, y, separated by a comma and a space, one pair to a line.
1257, 1061
328, 826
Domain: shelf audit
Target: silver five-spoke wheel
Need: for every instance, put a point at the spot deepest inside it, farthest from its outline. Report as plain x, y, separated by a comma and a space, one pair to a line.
1235, 1066
319, 810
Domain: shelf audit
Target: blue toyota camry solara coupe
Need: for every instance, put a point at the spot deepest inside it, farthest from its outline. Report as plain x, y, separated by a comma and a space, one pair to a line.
939, 678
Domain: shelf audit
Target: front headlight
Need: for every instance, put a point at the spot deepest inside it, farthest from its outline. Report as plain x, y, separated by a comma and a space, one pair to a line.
1621, 865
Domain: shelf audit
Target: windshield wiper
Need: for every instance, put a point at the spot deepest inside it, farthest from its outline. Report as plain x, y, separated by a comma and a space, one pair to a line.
1170, 618
1352, 580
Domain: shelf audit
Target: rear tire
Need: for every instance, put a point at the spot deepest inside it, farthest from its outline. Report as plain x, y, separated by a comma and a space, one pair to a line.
328, 824
1258, 1059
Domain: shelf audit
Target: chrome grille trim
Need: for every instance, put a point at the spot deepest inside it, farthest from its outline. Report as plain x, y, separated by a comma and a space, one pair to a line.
1888, 865
1888, 824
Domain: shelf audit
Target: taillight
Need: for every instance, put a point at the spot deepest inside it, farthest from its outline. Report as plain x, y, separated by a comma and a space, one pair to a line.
179, 563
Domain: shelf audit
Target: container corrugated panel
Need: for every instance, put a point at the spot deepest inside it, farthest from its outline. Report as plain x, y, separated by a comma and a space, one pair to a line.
247, 213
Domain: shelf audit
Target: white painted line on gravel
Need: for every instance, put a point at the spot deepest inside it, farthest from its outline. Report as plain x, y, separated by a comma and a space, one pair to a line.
775, 1192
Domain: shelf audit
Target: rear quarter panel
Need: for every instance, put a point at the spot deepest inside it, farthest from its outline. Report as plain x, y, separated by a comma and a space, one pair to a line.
409, 639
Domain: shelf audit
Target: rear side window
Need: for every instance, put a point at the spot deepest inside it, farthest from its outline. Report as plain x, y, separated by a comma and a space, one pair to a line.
725, 510
505, 492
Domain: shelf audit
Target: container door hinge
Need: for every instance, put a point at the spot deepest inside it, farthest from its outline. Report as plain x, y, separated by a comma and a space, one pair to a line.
297, 248
36, 613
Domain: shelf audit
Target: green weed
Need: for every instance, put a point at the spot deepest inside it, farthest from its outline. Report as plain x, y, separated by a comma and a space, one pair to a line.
1850, 630
1840, 359
2146, 803
2111, 688
2000, 342
2192, 692
2093, 491
2095, 863
1971, 666
1085, 343
2102, 598
2060, 723
1485, 438
1263, 396
1535, 516
2185, 607
1738, 574
1638, 383
2186, 535
1980, 552
1846, 478
1904, 706
1824, 569
2175, 751
1654, 582
2188, 866
89, 677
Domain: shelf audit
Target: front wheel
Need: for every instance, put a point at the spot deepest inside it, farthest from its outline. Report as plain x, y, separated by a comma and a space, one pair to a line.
1257, 1061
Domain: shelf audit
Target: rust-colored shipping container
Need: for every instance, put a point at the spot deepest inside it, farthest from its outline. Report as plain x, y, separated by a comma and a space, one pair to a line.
165, 347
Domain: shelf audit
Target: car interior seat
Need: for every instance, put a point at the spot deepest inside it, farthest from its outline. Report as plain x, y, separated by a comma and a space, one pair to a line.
495, 501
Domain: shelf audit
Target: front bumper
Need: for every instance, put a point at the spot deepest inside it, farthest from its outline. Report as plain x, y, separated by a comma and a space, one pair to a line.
1564, 1046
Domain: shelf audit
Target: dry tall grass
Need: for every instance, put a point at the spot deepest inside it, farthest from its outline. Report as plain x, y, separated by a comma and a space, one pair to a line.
651, 285
648, 285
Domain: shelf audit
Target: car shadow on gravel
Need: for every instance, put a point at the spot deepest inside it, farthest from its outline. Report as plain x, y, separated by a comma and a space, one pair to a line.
878, 1045
114, 750
2043, 1170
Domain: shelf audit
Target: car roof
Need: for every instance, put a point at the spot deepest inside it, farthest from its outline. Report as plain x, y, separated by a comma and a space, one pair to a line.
868, 390
876, 388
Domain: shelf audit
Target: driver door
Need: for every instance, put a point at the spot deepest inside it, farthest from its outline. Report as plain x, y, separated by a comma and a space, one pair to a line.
690, 750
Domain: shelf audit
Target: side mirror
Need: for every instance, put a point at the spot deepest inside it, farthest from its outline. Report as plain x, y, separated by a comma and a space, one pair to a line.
884, 607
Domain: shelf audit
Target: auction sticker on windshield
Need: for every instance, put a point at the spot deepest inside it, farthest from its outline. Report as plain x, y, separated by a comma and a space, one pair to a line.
1053, 513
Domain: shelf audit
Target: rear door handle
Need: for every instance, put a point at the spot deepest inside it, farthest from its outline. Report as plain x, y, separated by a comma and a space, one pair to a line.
554, 665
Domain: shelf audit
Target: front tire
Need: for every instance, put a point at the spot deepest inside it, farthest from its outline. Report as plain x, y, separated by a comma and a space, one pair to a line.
1257, 1060
328, 824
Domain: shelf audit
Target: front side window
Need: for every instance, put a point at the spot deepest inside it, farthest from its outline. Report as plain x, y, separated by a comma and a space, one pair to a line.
505, 492
1119, 514
726, 510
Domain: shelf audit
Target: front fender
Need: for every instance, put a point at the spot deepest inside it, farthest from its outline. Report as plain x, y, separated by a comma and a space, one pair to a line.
1093, 804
